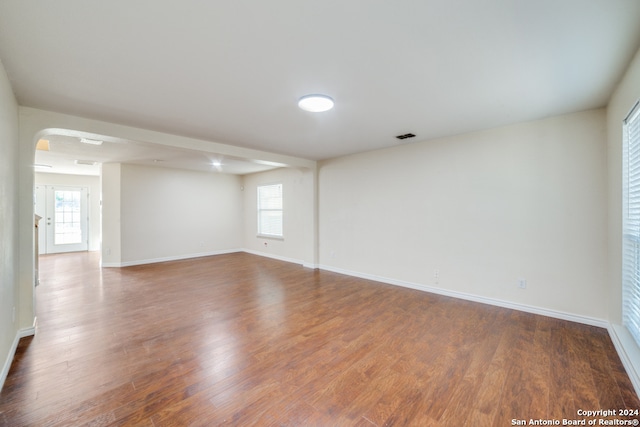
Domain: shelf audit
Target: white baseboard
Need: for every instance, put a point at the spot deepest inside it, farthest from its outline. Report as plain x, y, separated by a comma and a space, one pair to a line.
205, 254
8, 360
628, 351
475, 298
169, 258
469, 297
281, 258
12, 351
272, 256
28, 332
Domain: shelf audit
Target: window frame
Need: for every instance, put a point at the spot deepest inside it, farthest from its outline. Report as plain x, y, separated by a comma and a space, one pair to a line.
631, 222
263, 209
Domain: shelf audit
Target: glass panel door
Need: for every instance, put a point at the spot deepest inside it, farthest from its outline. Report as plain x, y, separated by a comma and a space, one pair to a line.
66, 219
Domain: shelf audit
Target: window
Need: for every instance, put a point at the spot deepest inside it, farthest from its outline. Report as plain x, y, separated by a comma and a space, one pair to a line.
631, 223
270, 210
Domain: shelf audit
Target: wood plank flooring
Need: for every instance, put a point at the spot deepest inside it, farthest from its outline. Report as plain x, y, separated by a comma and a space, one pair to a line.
243, 340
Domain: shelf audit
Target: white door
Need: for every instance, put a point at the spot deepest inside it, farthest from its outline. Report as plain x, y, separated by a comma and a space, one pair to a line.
64, 223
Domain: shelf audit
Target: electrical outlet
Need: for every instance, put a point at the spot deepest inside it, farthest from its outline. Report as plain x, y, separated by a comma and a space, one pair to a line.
522, 283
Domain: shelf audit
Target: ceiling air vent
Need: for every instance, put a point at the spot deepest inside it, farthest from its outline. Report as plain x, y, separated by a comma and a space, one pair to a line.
405, 136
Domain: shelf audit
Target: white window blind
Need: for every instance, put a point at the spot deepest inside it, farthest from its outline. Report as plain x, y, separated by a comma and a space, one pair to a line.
631, 224
270, 210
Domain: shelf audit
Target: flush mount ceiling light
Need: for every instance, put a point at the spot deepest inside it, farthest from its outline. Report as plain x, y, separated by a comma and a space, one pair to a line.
315, 103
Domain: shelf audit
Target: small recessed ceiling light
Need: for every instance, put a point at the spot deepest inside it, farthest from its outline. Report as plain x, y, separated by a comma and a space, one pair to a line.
216, 164
90, 141
316, 103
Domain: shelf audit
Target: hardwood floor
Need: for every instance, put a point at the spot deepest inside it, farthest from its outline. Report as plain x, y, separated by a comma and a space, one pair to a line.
244, 340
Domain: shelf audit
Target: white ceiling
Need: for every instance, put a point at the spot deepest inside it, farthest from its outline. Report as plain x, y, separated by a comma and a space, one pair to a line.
232, 71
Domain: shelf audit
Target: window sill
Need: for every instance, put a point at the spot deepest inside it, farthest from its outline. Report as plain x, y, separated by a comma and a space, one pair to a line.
266, 236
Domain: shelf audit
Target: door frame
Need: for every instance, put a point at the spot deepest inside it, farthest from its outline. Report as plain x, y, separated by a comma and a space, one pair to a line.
45, 193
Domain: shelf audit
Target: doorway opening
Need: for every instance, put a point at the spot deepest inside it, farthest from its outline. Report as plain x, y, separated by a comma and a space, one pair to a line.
64, 224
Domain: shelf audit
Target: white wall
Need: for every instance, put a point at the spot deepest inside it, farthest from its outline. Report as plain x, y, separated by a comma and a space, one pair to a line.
93, 185
299, 199
9, 219
110, 181
483, 209
171, 213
